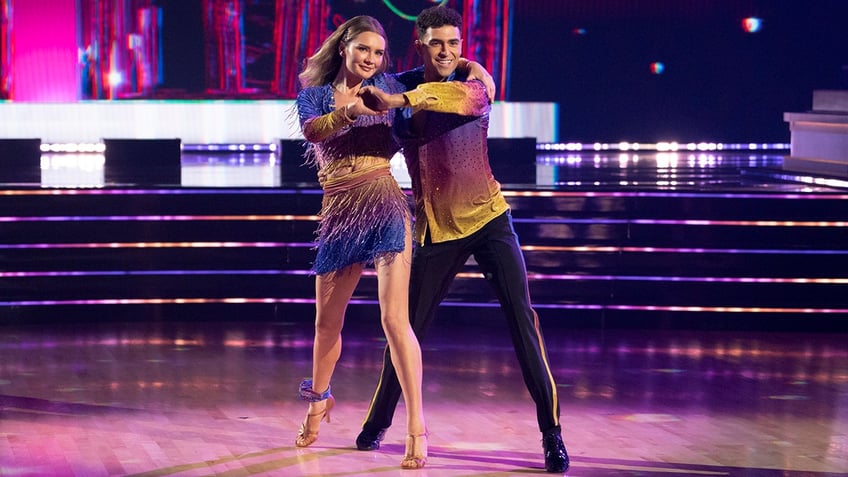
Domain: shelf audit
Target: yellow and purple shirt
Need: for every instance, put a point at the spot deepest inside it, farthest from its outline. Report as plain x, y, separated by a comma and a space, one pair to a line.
444, 138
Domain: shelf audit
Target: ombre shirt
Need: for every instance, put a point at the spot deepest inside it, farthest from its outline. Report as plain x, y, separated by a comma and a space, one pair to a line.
444, 139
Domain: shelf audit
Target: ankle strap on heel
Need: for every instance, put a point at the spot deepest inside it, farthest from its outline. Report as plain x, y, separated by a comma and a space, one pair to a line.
308, 394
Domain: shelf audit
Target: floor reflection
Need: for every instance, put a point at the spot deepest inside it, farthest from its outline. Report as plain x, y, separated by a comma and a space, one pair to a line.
163, 398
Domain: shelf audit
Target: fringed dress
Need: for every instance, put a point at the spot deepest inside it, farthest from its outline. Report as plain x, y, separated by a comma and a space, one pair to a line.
364, 212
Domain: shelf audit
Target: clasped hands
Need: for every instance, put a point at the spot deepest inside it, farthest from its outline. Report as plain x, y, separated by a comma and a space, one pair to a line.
373, 101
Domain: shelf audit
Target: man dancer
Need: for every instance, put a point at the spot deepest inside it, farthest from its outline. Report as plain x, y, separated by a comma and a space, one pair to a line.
460, 211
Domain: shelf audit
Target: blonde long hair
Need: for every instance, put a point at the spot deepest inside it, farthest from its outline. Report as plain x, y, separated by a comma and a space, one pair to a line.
322, 67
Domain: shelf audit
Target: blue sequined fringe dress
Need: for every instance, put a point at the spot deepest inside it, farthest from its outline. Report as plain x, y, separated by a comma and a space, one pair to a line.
364, 212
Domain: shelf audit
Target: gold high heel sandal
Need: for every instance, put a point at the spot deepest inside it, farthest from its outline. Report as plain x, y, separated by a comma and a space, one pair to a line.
414, 457
307, 433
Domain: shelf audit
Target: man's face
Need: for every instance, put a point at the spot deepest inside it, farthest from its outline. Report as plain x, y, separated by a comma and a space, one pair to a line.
440, 49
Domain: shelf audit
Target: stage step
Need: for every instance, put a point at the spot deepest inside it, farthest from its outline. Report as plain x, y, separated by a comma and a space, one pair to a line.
594, 258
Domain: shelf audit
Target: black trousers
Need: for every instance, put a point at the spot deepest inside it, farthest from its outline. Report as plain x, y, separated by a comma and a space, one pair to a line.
434, 266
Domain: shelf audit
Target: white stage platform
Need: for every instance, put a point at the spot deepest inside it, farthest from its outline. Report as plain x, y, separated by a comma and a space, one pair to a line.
820, 136
214, 121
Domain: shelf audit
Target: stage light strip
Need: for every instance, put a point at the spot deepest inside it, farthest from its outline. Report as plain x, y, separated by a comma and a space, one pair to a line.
507, 193
123, 273
181, 191
228, 148
618, 249
159, 301
662, 278
73, 147
590, 221
276, 300
473, 275
102, 245
738, 223
529, 248
690, 195
743, 223
820, 181
157, 218
661, 308
663, 146
654, 278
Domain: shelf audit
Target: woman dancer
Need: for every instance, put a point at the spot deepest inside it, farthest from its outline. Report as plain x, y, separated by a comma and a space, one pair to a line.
365, 218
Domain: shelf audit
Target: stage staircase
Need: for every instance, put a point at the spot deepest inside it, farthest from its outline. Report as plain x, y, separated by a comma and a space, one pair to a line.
596, 258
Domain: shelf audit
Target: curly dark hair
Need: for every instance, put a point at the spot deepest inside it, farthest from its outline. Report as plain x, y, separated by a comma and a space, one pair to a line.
435, 17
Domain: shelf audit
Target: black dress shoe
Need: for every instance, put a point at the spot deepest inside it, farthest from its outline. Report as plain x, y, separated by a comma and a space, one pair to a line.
370, 440
556, 458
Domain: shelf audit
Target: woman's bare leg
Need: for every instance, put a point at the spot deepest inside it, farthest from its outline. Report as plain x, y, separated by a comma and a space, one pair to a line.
332, 294
393, 286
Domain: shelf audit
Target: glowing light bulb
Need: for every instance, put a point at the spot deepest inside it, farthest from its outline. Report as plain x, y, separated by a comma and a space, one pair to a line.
752, 24
115, 78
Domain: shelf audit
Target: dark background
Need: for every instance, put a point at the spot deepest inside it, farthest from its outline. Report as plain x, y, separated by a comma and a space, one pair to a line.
720, 83
593, 58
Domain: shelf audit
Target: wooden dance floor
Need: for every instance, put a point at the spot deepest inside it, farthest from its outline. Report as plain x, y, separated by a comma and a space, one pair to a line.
219, 398
693, 305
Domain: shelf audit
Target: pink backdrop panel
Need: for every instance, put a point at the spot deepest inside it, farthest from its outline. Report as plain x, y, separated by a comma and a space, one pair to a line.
45, 59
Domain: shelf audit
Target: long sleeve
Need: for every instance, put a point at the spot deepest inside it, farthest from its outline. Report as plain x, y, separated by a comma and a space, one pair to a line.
318, 128
316, 122
458, 97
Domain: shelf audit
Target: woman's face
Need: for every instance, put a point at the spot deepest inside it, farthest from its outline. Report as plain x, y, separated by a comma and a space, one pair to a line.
363, 55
